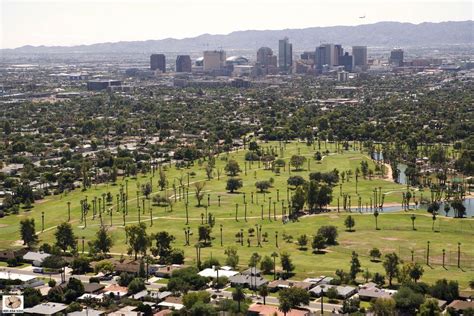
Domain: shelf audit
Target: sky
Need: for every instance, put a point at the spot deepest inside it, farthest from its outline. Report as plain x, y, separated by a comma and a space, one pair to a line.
75, 22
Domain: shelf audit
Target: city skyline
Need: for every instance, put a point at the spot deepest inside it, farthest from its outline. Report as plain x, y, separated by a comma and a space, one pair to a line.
77, 22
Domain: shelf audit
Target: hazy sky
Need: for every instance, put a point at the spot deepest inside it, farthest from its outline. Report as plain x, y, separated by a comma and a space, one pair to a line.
72, 22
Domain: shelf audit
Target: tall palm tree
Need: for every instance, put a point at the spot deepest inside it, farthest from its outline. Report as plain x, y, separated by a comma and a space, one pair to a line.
376, 214
274, 255
238, 295
413, 217
263, 292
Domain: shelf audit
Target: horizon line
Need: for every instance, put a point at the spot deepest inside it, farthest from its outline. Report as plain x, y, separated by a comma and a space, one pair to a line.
224, 34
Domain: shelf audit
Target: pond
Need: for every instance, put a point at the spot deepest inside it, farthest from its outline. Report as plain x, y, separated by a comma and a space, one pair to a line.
468, 203
402, 179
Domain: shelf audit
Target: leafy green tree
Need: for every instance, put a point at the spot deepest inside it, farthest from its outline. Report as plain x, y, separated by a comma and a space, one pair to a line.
56, 294
103, 242
104, 266
32, 297
80, 265
65, 237
383, 307
445, 290
355, 266
232, 168
375, 254
263, 185
430, 308
137, 239
312, 195
298, 199
293, 298
349, 222
324, 196
28, 233
233, 184
390, 265
266, 265
302, 241
137, 285
147, 189
232, 259
407, 301
329, 233
198, 190
297, 161
190, 299
163, 245
286, 263
319, 243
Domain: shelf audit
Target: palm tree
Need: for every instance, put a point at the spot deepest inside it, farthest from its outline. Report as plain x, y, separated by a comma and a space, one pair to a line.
263, 292
413, 217
285, 305
376, 214
238, 295
274, 255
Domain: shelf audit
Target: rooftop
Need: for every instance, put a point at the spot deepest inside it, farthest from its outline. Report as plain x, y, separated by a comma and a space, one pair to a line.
46, 308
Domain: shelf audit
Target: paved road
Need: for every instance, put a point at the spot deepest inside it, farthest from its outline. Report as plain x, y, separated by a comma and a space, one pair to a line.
314, 306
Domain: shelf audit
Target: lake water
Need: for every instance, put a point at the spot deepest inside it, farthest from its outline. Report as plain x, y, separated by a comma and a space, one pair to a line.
402, 179
468, 203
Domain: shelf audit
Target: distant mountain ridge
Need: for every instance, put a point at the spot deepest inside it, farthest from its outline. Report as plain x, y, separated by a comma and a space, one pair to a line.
381, 34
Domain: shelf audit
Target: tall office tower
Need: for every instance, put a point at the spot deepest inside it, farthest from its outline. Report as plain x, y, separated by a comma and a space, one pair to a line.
396, 57
338, 52
183, 63
158, 62
265, 57
285, 54
214, 60
331, 54
347, 61
320, 57
360, 55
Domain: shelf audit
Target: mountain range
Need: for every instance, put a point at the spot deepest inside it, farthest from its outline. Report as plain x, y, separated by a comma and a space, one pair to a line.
381, 34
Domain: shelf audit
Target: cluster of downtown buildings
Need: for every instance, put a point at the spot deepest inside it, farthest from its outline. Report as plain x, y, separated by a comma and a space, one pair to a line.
325, 58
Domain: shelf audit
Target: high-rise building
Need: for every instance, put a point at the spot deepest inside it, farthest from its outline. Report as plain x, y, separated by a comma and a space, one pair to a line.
285, 54
266, 62
396, 57
360, 55
183, 63
328, 54
347, 61
265, 57
320, 57
158, 62
214, 60
338, 52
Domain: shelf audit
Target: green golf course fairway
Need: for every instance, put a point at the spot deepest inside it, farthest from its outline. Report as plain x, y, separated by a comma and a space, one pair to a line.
395, 232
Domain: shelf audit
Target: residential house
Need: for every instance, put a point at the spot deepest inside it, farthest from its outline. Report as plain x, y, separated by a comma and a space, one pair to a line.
281, 284
248, 281
343, 292
461, 306
36, 258
46, 309
269, 310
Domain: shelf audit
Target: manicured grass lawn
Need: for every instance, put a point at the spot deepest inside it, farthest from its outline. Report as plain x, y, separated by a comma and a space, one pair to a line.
395, 232
162, 281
